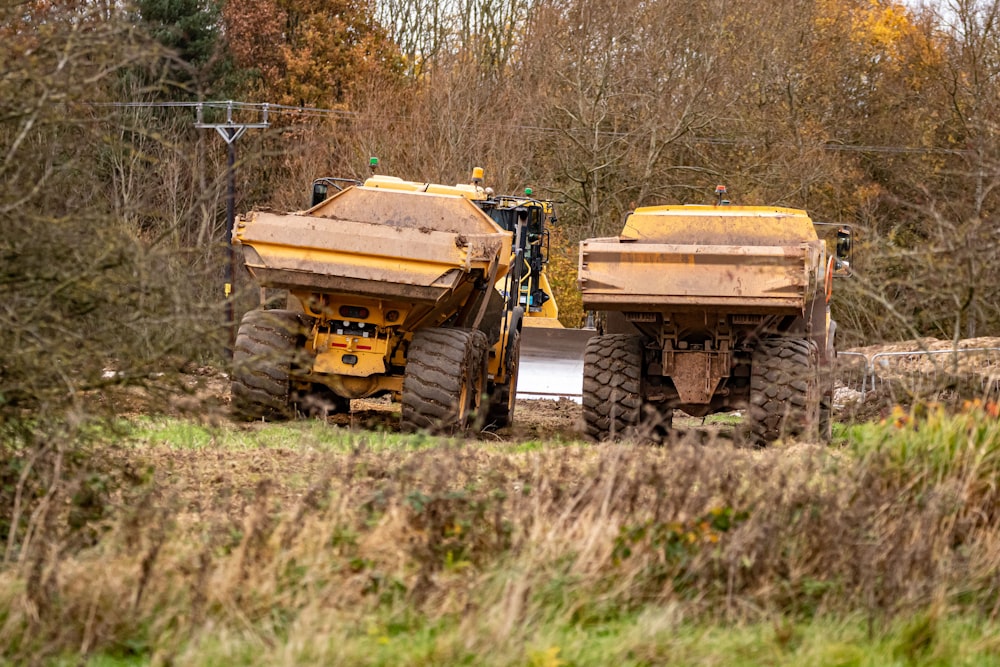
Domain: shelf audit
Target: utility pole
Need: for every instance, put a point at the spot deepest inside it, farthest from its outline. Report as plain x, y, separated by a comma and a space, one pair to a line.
230, 131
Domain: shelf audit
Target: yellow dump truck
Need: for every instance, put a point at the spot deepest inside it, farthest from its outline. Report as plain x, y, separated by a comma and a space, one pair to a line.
550, 362
390, 291
711, 309
547, 353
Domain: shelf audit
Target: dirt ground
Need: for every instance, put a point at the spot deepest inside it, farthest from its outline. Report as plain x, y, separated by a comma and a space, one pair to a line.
203, 393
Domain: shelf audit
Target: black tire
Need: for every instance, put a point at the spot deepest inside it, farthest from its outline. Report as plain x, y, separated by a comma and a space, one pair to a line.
784, 390
443, 385
612, 386
503, 397
266, 345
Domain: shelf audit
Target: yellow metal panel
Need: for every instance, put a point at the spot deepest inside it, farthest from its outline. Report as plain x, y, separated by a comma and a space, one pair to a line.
330, 363
307, 251
619, 275
393, 183
327, 307
541, 322
719, 225
355, 249
330, 349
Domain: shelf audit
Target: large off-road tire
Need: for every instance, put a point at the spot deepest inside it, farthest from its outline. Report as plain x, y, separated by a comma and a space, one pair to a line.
503, 397
444, 382
784, 390
266, 345
612, 386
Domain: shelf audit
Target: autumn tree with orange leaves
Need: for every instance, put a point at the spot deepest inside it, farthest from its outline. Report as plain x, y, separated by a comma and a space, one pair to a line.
309, 53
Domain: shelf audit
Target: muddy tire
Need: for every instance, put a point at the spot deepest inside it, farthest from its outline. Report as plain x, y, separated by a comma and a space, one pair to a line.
784, 390
503, 397
444, 382
612, 386
266, 345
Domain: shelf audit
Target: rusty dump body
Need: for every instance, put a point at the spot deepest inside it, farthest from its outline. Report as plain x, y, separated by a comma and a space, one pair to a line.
369, 267
701, 286
417, 247
692, 258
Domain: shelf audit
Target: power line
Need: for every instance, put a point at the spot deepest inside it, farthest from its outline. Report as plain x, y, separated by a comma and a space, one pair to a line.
256, 107
266, 108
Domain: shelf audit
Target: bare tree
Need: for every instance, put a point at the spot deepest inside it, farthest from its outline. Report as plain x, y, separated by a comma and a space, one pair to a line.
629, 79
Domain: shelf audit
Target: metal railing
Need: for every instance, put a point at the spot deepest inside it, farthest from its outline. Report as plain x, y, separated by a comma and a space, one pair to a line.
942, 375
852, 371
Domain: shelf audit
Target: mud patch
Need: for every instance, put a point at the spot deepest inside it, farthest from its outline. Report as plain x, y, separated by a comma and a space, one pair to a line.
545, 419
533, 420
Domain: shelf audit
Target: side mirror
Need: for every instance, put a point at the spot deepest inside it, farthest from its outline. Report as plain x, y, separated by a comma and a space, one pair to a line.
844, 252
319, 193
839, 242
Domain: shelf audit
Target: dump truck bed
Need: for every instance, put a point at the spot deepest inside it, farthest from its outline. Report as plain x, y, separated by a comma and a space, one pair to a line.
762, 261
375, 243
618, 274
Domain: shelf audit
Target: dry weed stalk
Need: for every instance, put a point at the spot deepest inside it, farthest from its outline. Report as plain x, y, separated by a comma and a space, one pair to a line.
507, 541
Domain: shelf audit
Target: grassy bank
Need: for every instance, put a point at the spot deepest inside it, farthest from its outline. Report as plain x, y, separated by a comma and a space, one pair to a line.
305, 544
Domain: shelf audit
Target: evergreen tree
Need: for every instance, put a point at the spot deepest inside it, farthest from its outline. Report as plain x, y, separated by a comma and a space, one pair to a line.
191, 30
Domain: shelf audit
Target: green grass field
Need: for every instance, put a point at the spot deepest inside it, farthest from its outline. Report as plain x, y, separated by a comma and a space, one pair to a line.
309, 544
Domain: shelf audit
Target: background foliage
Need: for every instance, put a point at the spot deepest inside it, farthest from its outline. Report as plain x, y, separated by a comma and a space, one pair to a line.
867, 112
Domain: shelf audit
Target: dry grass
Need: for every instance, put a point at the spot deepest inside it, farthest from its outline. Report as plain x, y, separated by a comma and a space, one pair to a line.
295, 550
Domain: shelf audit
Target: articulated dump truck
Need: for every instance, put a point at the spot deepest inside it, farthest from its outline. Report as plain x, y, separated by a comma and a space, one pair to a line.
712, 309
550, 355
391, 291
